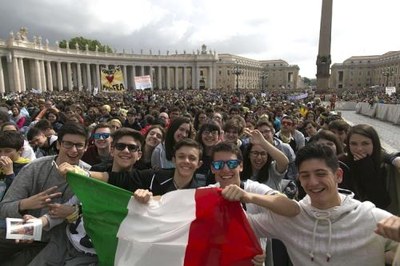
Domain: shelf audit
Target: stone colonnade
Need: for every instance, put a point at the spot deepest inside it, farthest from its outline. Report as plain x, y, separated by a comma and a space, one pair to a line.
25, 65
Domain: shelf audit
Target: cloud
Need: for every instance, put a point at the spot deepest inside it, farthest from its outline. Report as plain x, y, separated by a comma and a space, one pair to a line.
259, 29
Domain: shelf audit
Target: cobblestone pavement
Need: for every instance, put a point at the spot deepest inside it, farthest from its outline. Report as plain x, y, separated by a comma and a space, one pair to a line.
388, 133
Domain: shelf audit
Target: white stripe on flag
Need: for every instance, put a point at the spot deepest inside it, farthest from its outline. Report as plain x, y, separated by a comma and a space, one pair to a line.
160, 235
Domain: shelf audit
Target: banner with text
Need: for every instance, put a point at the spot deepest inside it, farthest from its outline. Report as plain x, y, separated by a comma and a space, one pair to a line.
112, 80
390, 90
297, 97
143, 82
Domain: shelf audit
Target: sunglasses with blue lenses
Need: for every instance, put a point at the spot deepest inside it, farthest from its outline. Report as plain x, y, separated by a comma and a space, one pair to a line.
232, 164
101, 135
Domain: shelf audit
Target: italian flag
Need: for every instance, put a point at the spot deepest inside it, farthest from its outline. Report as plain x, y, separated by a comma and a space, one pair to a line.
193, 227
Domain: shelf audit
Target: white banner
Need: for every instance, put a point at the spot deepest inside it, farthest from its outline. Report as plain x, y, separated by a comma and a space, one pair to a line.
390, 90
297, 97
143, 82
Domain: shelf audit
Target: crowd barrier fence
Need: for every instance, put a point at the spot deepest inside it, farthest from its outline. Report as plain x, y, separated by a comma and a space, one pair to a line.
384, 112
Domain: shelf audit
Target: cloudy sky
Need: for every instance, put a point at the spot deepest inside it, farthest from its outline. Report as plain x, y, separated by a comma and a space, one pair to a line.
258, 29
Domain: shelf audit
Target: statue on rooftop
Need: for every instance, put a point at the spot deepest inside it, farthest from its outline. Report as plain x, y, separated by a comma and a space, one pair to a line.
23, 32
203, 49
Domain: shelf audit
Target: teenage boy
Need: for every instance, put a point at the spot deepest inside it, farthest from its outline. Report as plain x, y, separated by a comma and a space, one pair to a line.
125, 150
227, 165
27, 151
332, 228
76, 248
34, 188
41, 144
100, 151
11, 147
187, 155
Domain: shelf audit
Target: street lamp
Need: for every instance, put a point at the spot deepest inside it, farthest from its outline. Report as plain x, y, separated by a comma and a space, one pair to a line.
389, 71
263, 77
237, 71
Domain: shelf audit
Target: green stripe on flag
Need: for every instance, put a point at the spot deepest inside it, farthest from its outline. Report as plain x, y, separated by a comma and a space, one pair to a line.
104, 207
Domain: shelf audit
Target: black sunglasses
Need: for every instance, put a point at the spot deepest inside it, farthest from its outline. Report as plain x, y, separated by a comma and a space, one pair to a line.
131, 147
232, 164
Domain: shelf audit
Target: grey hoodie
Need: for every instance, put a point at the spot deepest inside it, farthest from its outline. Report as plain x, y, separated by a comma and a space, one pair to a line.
33, 178
342, 235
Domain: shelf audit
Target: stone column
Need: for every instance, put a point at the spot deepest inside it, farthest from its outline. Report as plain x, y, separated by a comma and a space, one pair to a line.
210, 77
98, 81
43, 76
184, 78
159, 78
151, 77
2, 85
125, 76
88, 78
142, 70
133, 76
22, 74
59, 77
324, 50
37, 75
167, 77
195, 77
69, 76
214, 75
79, 70
16, 78
176, 77
49, 76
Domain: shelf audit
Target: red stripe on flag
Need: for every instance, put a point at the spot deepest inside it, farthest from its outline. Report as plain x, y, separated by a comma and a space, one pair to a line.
221, 234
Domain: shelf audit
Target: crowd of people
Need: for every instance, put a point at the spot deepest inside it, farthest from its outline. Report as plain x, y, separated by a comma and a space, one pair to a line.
310, 183
371, 95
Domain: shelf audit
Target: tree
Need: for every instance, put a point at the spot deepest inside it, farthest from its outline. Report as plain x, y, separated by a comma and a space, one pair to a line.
82, 42
309, 82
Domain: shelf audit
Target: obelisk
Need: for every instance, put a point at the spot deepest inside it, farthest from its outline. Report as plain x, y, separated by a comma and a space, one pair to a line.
324, 49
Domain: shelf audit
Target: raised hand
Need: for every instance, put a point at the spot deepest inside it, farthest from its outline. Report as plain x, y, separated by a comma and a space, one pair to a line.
389, 228
256, 137
65, 167
359, 156
6, 164
233, 193
39, 200
142, 195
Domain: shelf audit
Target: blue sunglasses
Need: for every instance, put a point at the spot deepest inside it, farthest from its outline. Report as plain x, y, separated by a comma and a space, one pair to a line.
101, 135
232, 164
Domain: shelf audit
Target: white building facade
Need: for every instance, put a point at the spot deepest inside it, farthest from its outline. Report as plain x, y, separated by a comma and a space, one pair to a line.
359, 72
35, 64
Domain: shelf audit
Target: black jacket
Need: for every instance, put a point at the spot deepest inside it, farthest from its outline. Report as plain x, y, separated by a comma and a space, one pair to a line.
158, 182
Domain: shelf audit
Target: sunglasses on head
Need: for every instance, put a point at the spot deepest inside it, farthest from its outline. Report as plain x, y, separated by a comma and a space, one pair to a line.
101, 135
122, 146
232, 164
